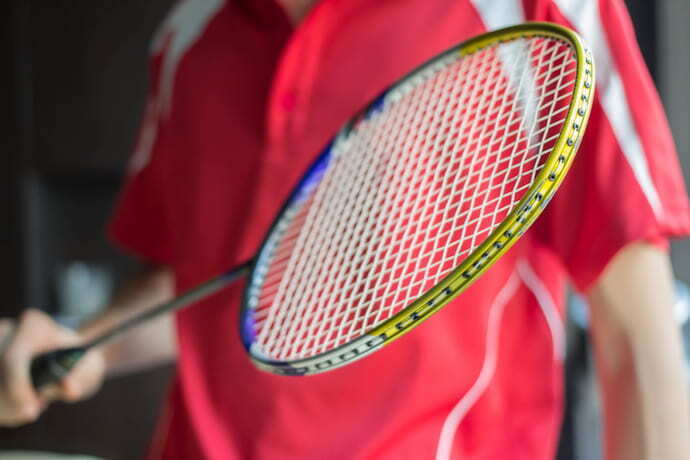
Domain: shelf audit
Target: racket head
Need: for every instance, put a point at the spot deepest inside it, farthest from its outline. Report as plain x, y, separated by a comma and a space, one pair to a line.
562, 147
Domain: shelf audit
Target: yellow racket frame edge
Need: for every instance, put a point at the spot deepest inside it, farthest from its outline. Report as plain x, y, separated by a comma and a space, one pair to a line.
503, 237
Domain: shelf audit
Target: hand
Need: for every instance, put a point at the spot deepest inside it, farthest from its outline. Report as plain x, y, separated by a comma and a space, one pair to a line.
33, 334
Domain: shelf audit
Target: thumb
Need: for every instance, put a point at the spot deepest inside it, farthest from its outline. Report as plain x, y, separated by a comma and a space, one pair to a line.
85, 379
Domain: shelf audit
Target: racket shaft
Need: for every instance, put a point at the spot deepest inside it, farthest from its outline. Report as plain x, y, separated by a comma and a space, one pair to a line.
51, 367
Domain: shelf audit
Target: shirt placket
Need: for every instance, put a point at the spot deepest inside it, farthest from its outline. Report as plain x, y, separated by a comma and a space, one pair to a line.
296, 73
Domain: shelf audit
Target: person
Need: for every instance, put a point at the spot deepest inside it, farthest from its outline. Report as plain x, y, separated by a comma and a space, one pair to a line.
243, 95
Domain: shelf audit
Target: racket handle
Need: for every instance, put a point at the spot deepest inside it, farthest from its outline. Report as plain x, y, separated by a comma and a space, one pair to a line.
51, 367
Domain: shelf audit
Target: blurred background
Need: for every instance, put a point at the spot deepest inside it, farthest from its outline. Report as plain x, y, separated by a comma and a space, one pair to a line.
71, 91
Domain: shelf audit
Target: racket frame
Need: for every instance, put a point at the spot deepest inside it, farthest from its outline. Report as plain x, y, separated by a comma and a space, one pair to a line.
496, 244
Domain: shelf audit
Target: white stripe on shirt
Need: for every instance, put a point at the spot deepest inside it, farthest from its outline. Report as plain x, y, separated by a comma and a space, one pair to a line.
185, 24
584, 15
548, 307
499, 13
486, 373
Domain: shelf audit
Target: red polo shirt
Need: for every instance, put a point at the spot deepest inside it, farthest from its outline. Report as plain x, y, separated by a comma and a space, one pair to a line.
241, 103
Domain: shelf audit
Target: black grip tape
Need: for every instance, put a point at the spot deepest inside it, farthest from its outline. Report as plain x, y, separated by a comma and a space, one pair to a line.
53, 366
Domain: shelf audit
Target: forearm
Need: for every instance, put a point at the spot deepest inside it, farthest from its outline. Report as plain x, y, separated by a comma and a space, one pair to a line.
624, 435
664, 398
148, 344
639, 358
644, 398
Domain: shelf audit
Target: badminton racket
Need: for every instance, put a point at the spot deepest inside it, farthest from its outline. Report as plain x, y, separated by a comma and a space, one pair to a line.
416, 196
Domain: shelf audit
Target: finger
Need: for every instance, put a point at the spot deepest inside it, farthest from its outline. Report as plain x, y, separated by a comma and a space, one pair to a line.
42, 333
11, 413
85, 378
18, 391
49, 393
32, 329
6, 329
71, 390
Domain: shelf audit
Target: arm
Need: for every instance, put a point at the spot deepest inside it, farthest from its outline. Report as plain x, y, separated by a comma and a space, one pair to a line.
149, 344
639, 358
35, 332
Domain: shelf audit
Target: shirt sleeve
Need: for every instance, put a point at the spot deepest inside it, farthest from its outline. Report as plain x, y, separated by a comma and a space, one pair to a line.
140, 223
625, 184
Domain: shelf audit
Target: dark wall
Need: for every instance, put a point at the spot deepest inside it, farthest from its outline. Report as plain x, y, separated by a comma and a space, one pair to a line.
643, 14
10, 242
71, 99
88, 73
78, 78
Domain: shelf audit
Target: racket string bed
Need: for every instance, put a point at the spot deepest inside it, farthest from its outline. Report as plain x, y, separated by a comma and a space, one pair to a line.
416, 190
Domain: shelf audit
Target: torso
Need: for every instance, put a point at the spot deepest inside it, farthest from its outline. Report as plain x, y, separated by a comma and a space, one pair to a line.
254, 100
383, 406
